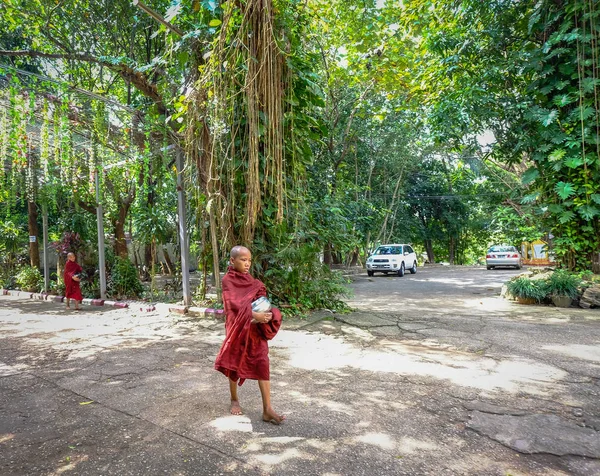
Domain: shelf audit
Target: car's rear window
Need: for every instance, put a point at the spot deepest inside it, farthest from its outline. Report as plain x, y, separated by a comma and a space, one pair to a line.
500, 249
388, 250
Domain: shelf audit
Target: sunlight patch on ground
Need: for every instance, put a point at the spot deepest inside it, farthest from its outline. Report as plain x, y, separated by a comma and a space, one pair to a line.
6, 370
410, 445
358, 333
73, 462
488, 304
326, 353
90, 331
579, 351
258, 444
377, 439
233, 423
329, 404
271, 459
325, 446
6, 437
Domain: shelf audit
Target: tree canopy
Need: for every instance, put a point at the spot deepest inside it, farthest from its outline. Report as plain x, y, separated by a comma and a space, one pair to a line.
312, 131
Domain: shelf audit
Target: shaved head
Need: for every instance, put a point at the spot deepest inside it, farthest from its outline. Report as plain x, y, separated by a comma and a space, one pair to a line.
70, 254
237, 250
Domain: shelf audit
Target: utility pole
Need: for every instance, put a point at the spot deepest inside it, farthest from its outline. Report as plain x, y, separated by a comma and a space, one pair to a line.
46, 260
183, 236
100, 219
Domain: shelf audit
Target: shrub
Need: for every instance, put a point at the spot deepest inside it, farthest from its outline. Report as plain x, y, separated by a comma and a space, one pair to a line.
30, 279
563, 283
90, 284
526, 288
124, 280
297, 280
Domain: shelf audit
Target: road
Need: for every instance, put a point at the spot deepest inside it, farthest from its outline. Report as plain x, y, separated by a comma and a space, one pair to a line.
432, 374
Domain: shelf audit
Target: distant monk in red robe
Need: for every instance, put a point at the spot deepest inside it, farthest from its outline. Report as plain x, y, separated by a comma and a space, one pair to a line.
72, 289
245, 352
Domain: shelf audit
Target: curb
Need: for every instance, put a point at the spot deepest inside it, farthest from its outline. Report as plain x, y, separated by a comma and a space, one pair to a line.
53, 298
206, 312
192, 311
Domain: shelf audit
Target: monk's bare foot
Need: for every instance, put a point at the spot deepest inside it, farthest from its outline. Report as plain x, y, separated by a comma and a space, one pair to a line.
235, 408
271, 417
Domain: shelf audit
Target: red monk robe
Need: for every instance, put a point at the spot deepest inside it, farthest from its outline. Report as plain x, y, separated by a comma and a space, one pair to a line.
72, 289
245, 352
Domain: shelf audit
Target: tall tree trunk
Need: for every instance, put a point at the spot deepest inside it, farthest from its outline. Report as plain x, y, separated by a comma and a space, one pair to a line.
148, 258
452, 249
168, 261
215, 251
327, 258
429, 249
596, 262
34, 247
354, 257
120, 245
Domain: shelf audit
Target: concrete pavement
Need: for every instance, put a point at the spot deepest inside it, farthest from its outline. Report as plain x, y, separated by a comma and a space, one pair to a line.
453, 381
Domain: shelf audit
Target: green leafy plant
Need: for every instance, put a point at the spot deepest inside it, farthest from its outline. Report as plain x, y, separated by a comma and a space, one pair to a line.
563, 283
124, 280
90, 284
298, 282
526, 288
30, 279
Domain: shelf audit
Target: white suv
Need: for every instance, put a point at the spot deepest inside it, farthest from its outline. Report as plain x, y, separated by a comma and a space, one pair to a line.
392, 259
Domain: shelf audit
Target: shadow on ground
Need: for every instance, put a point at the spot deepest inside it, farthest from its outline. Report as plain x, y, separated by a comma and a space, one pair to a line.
142, 398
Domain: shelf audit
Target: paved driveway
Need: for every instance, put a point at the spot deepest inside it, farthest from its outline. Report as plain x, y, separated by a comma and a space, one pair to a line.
455, 381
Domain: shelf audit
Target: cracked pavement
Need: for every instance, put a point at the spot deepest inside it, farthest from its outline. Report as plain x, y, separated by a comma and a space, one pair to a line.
432, 374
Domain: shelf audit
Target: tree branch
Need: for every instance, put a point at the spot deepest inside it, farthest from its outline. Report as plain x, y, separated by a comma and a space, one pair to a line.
138, 80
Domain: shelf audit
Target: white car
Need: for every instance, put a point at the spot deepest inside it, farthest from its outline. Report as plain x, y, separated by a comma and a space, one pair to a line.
393, 258
502, 255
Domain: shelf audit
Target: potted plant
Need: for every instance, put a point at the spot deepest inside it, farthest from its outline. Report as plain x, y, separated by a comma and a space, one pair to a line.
525, 290
562, 287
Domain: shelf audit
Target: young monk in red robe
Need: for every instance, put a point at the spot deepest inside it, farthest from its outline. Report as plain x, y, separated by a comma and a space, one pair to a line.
72, 289
245, 352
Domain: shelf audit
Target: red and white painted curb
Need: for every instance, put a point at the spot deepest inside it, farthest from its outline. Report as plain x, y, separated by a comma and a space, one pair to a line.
192, 311
53, 298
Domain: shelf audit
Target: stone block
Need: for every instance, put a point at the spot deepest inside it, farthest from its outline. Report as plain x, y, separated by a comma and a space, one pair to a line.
118, 304
216, 313
590, 297
175, 309
197, 311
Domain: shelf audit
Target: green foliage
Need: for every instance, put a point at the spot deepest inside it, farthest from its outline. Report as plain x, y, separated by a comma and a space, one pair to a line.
526, 288
563, 283
30, 279
124, 280
295, 278
90, 285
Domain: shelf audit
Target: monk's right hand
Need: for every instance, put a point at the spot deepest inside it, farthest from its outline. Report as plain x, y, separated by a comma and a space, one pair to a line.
262, 317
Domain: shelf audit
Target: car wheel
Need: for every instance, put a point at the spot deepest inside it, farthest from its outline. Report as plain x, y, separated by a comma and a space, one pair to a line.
413, 270
401, 270
490, 267
518, 266
370, 273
